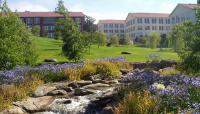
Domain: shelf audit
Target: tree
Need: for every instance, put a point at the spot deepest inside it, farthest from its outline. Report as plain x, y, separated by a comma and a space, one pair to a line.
100, 38
154, 40
16, 46
176, 37
73, 47
126, 40
36, 30
4, 7
163, 41
89, 25
114, 40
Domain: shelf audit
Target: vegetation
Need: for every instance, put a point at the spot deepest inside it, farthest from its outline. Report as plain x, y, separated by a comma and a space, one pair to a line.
137, 103
154, 40
114, 40
35, 30
16, 46
100, 38
17, 92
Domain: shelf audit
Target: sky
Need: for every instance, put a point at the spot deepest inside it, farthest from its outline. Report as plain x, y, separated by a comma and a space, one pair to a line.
100, 9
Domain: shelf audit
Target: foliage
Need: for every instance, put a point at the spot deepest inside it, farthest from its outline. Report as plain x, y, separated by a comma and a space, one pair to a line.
73, 47
35, 30
143, 40
176, 39
153, 40
73, 74
163, 41
114, 40
125, 40
169, 72
16, 92
4, 7
88, 69
89, 25
100, 38
137, 103
16, 46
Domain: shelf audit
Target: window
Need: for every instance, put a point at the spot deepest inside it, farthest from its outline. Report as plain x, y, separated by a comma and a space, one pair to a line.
37, 20
50, 35
49, 28
147, 20
147, 28
77, 20
122, 31
121, 25
160, 21
139, 20
182, 19
177, 19
167, 21
105, 25
116, 26
140, 28
29, 21
133, 21
116, 31
161, 28
173, 20
154, 27
49, 20
111, 25
167, 27
154, 21
106, 31
111, 31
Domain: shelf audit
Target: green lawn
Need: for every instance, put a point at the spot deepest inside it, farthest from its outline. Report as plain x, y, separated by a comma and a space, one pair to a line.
50, 48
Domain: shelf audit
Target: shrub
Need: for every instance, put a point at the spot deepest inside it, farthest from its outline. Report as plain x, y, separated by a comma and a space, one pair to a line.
73, 74
16, 92
169, 72
114, 40
36, 30
137, 103
88, 70
106, 68
16, 46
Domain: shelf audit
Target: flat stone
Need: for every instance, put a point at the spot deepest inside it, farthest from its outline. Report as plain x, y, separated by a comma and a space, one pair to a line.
13, 110
96, 86
57, 92
84, 83
32, 105
82, 92
43, 90
74, 85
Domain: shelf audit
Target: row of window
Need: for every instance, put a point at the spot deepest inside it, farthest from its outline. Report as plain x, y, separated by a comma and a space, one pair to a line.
148, 21
179, 19
114, 26
149, 28
114, 31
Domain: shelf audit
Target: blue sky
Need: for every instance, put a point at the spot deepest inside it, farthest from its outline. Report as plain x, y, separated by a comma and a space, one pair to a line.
100, 9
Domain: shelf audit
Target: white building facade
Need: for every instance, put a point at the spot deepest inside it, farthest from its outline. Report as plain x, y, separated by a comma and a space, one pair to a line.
141, 24
138, 25
183, 12
112, 27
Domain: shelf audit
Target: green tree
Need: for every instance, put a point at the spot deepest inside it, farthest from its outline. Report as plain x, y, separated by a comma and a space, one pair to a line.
163, 41
126, 40
16, 46
176, 37
100, 38
35, 30
73, 47
114, 40
4, 7
154, 40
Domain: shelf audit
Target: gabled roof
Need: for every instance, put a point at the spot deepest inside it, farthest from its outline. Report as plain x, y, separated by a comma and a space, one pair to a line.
190, 6
108, 21
163, 15
48, 14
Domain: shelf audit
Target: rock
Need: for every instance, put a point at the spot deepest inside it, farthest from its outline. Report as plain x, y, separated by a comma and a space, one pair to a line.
139, 65
96, 86
107, 110
57, 92
82, 92
126, 53
74, 85
84, 83
13, 110
99, 81
89, 78
124, 71
68, 89
113, 82
50, 60
67, 101
32, 105
43, 90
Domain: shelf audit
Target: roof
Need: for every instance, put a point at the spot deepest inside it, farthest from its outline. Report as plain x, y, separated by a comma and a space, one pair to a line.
108, 21
48, 14
191, 6
148, 15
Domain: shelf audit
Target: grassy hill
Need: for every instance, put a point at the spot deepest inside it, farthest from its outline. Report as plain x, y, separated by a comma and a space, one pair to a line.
50, 48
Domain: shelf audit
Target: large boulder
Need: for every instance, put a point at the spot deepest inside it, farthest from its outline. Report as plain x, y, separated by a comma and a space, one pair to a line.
32, 105
13, 110
82, 92
57, 93
43, 90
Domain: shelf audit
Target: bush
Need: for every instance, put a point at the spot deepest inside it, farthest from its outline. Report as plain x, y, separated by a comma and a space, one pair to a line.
88, 70
106, 68
154, 40
73, 74
36, 30
169, 72
16, 46
137, 103
16, 92
114, 40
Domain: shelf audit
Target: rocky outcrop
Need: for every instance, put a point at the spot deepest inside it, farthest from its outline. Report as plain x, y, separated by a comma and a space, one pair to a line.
38, 104
43, 90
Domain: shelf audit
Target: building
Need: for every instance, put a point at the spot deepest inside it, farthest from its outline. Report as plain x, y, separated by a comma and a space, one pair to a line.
141, 24
183, 12
47, 21
112, 27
